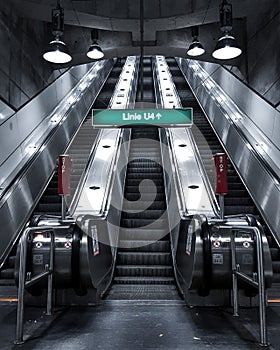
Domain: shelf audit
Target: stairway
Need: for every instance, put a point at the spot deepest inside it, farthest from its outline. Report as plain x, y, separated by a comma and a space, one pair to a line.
144, 268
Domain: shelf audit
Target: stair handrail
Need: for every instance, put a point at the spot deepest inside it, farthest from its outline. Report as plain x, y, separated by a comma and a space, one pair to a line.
25, 279
258, 280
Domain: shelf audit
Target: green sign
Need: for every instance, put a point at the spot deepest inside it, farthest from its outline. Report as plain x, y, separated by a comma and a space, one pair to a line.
110, 118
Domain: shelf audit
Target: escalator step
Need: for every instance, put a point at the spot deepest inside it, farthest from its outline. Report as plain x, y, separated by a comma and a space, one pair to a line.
144, 246
143, 292
146, 214
144, 280
7, 282
142, 205
12, 261
47, 208
233, 210
141, 223
238, 201
147, 196
142, 162
144, 258
144, 189
135, 182
7, 274
144, 270
54, 199
150, 174
235, 186
276, 266
238, 193
275, 254
137, 167
276, 278
142, 234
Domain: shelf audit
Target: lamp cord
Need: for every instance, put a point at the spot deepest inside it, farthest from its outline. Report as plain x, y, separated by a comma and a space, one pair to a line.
206, 12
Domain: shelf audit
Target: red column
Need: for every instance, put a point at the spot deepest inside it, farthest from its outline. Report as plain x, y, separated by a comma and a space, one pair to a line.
221, 173
64, 170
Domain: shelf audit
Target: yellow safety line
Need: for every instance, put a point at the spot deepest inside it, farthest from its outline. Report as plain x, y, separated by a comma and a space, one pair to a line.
9, 299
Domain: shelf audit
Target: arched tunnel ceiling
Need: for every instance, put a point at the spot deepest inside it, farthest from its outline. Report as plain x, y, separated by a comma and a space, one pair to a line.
166, 25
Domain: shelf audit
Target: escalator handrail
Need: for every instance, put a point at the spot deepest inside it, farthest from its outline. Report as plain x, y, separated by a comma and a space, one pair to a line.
269, 170
106, 202
206, 180
13, 178
80, 186
178, 184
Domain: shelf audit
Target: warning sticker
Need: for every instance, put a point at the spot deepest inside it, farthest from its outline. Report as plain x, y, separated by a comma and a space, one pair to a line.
38, 259
247, 259
95, 244
189, 240
217, 259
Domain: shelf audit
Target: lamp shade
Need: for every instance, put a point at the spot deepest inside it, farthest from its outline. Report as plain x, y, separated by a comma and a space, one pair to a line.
226, 48
195, 48
57, 52
95, 52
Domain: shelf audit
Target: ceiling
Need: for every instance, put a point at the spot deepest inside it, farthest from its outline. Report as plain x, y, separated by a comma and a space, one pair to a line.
166, 25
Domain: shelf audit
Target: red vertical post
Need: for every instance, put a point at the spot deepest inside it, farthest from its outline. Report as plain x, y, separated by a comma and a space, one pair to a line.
221, 179
64, 170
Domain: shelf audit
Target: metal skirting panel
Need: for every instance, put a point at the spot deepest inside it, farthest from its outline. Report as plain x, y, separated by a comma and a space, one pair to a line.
18, 203
261, 184
258, 111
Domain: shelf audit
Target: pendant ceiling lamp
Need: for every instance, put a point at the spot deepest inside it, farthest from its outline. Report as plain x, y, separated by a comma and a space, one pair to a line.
95, 52
195, 48
57, 51
227, 47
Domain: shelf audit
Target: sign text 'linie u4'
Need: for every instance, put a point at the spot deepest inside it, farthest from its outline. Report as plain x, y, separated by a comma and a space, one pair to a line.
110, 118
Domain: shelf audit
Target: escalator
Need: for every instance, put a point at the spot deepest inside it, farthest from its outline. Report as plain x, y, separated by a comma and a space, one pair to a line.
237, 200
148, 97
144, 268
79, 150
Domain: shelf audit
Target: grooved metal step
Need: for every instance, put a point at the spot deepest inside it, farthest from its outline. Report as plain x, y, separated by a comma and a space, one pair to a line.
144, 258
154, 234
144, 246
140, 280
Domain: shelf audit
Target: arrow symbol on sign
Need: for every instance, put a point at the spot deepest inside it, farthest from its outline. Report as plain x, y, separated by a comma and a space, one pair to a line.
158, 116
